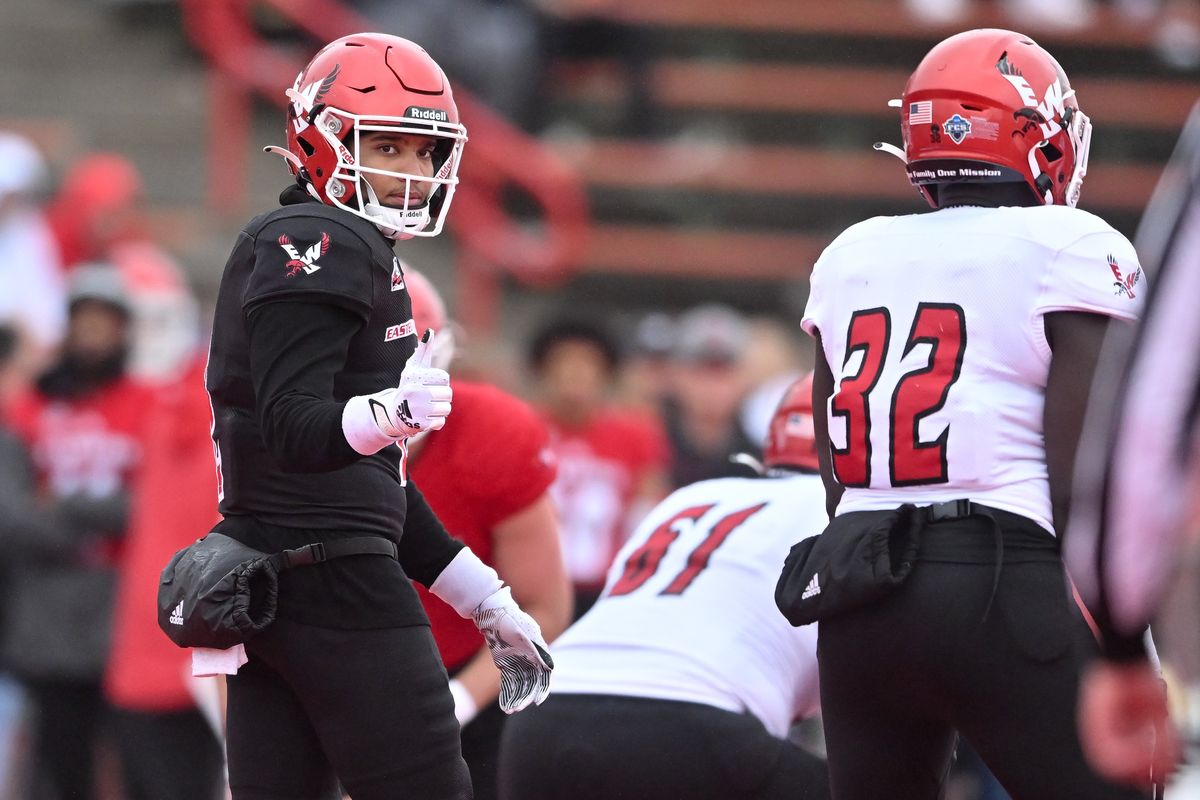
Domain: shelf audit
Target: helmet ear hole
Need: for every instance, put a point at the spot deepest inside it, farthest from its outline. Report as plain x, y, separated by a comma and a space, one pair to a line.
305, 146
1051, 152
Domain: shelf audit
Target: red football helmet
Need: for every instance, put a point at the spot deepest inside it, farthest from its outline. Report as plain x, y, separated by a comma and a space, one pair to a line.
429, 311
791, 442
372, 82
992, 106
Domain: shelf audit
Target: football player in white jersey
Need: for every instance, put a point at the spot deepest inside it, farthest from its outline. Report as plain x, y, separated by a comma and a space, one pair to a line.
954, 354
683, 679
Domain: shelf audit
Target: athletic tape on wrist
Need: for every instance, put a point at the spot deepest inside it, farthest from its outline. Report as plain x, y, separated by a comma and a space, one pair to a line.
466, 582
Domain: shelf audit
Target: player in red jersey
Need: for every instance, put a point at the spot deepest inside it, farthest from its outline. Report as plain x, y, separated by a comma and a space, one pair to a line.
167, 748
611, 461
82, 426
487, 476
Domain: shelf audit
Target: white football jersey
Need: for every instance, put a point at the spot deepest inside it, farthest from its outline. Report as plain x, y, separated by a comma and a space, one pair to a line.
933, 327
688, 612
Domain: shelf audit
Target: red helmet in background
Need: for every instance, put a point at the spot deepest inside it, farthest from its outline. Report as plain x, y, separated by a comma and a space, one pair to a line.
365, 83
429, 312
992, 106
791, 442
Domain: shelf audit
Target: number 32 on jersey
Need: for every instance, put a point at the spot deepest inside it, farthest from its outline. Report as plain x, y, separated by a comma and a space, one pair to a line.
915, 396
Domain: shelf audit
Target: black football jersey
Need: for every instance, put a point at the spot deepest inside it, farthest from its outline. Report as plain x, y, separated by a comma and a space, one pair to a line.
290, 259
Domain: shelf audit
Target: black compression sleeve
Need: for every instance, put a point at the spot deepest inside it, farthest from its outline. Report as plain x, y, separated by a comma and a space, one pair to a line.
426, 547
1122, 647
296, 351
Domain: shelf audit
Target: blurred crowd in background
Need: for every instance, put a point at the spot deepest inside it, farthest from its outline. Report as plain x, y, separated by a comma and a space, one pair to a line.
97, 313
99, 320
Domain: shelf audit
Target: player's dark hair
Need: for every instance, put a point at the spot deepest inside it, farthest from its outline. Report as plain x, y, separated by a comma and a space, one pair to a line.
574, 330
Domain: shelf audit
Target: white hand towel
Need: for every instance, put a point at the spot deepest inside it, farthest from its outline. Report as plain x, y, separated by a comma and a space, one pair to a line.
206, 661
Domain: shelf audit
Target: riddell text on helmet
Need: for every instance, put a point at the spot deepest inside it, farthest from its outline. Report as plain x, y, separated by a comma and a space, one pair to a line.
433, 114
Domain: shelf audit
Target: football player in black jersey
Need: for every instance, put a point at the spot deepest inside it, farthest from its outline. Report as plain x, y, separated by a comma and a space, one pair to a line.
317, 381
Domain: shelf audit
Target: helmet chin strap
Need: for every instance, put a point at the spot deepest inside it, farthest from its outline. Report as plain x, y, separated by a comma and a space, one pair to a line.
287, 155
888, 147
747, 460
394, 223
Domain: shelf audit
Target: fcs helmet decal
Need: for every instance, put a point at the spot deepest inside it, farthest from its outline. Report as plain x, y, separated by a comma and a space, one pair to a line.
991, 105
365, 83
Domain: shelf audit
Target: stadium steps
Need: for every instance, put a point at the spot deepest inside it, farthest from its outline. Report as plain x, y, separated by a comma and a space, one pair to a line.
759, 149
876, 18
82, 76
792, 88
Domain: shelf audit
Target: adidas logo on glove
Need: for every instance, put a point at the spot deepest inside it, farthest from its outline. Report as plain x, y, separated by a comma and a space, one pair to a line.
177, 614
812, 590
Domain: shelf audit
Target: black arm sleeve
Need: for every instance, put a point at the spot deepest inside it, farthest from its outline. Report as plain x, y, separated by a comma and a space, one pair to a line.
426, 547
296, 350
1117, 646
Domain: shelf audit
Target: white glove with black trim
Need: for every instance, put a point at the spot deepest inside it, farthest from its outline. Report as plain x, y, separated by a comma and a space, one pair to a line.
421, 402
514, 638
517, 648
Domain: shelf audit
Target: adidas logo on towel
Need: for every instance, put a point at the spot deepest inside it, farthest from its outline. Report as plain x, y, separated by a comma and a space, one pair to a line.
177, 614
812, 590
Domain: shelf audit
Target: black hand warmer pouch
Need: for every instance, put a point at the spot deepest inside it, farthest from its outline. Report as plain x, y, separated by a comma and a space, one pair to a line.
217, 592
858, 558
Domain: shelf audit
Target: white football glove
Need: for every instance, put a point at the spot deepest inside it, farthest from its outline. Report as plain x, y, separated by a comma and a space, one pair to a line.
421, 402
514, 638
517, 648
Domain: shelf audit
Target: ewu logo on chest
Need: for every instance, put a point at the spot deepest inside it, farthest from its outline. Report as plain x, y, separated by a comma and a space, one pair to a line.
397, 275
307, 261
957, 128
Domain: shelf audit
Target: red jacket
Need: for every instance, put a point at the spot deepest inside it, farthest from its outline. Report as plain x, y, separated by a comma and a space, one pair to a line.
175, 504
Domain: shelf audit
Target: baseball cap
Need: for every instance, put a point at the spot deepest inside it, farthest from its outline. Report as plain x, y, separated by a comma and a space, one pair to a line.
98, 281
654, 335
22, 167
710, 334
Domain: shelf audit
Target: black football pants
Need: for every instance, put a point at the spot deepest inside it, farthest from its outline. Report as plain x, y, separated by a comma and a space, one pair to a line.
601, 747
901, 676
481, 749
370, 708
